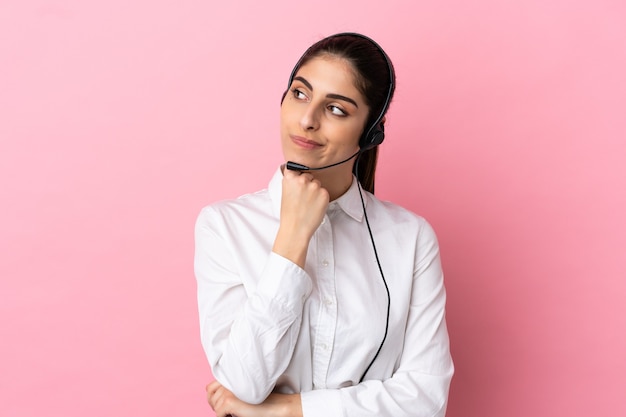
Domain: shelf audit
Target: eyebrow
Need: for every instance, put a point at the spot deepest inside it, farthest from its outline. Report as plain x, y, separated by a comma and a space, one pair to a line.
330, 95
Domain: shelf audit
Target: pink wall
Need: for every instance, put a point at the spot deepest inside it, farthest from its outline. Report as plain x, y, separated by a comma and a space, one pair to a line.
119, 120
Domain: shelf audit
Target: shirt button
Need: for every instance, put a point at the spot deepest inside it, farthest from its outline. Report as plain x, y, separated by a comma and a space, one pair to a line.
324, 262
323, 346
327, 301
324, 220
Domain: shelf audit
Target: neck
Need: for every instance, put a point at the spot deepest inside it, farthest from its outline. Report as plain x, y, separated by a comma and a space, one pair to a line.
336, 180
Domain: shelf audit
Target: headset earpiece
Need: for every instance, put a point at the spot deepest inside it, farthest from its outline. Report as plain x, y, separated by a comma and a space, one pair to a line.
373, 138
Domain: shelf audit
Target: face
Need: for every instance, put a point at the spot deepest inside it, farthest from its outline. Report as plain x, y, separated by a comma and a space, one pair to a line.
323, 114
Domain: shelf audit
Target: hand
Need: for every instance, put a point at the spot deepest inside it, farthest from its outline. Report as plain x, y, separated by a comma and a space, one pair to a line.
226, 404
303, 205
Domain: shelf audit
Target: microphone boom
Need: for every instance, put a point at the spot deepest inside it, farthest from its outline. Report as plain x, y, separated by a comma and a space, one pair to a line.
293, 166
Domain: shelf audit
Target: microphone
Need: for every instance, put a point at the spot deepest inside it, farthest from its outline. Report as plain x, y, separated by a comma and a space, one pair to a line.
293, 166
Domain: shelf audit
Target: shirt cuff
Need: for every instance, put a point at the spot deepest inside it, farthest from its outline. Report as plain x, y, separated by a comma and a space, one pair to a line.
321, 403
284, 282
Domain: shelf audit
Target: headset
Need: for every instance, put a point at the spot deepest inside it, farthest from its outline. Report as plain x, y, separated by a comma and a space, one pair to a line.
371, 137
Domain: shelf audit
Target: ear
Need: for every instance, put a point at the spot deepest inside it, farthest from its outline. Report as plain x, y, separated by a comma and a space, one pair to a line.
383, 120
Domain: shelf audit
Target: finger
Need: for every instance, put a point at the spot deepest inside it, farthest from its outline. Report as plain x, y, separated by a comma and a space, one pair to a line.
291, 175
306, 178
287, 173
220, 405
215, 384
216, 401
211, 390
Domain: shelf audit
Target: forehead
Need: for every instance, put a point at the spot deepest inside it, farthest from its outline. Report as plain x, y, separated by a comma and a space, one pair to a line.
331, 74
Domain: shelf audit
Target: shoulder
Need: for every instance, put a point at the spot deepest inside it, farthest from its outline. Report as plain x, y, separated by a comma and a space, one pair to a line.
248, 206
258, 205
392, 211
399, 219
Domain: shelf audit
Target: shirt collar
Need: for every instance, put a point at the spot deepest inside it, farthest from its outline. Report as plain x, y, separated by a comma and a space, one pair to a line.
349, 202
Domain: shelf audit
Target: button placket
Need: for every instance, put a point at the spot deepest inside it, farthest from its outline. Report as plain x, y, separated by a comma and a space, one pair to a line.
327, 313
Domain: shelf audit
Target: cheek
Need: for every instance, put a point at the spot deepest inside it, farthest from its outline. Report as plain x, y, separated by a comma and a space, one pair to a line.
283, 120
287, 115
350, 135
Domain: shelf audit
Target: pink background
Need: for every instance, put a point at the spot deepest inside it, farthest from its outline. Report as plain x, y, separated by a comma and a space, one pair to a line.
119, 120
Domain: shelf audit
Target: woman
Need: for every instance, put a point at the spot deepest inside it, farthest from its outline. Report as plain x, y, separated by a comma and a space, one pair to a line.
316, 298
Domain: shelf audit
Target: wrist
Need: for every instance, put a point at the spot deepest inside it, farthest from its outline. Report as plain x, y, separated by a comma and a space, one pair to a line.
294, 406
286, 405
291, 246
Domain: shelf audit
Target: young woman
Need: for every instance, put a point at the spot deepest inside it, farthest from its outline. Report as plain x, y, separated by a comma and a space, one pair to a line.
315, 297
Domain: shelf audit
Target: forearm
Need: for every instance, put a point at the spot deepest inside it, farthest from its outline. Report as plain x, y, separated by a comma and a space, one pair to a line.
404, 395
225, 403
250, 313
284, 405
250, 340
292, 244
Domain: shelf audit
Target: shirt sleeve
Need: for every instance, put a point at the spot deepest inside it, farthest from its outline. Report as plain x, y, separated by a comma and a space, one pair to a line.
419, 386
248, 336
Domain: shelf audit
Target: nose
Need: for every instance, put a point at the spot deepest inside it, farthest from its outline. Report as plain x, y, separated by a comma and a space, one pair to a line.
310, 118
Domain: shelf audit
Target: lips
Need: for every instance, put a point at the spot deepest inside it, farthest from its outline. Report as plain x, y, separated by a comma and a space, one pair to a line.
304, 142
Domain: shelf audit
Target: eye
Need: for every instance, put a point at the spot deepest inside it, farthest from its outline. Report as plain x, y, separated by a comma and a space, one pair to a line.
337, 111
299, 95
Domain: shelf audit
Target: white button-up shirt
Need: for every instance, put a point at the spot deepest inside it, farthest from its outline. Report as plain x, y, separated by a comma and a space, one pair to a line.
269, 325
